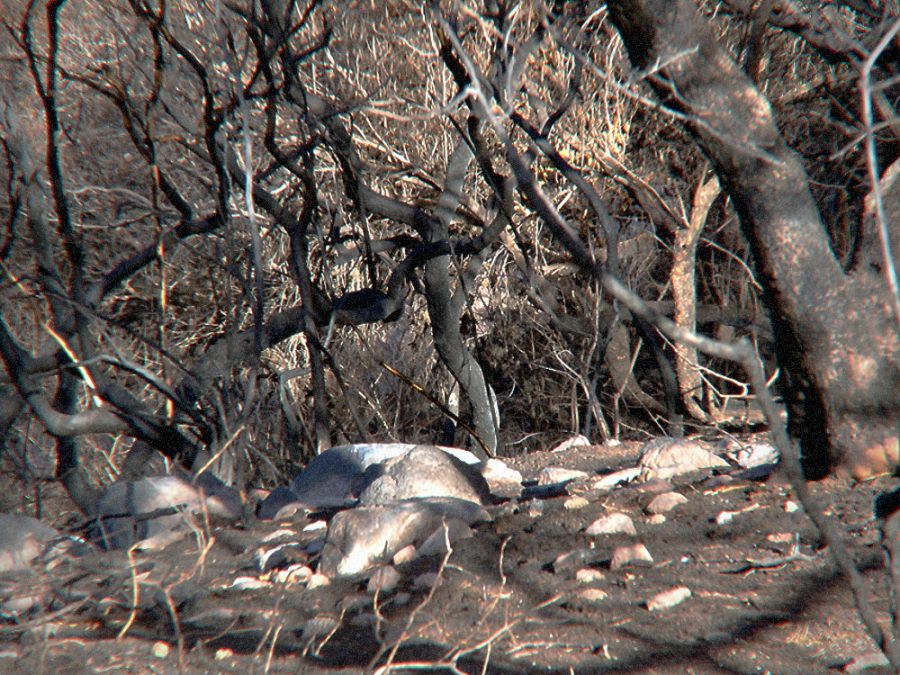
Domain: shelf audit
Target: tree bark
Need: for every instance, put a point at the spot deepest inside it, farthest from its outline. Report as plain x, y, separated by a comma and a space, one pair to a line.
835, 337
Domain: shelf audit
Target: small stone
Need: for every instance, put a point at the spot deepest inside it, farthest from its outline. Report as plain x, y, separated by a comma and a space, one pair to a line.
551, 475
636, 554
611, 480
667, 599
160, 650
593, 595
317, 580
656, 519
223, 653
781, 537
665, 502
425, 581
282, 533
401, 599
535, 509
614, 523
404, 555
575, 503
384, 580
791, 506
294, 574
589, 575
247, 584
316, 526
576, 441
725, 518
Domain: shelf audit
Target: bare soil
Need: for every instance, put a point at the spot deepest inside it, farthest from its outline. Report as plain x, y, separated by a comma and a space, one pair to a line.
765, 596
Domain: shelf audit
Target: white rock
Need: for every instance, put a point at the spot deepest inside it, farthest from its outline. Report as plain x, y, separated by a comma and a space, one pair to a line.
665, 502
725, 517
551, 475
791, 506
668, 457
611, 480
589, 575
656, 519
593, 594
614, 523
576, 441
636, 554
502, 480
317, 580
247, 584
667, 599
293, 574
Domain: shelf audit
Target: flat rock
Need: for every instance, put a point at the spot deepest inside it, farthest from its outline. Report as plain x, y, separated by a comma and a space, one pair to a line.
636, 554
502, 480
125, 511
669, 598
554, 475
665, 502
576, 441
364, 537
423, 471
616, 478
668, 457
614, 523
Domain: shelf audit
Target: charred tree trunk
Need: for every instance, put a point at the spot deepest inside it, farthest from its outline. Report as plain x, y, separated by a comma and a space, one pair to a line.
836, 339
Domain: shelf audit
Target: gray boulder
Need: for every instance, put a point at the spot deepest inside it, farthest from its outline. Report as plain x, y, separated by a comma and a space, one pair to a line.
362, 538
157, 510
423, 471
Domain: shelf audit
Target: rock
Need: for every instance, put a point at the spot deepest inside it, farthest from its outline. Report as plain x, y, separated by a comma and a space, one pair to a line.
317, 580
404, 555
502, 480
791, 506
384, 579
22, 539
125, 511
576, 441
336, 477
26, 541
364, 537
636, 554
424, 471
589, 575
668, 457
292, 574
593, 594
667, 599
280, 503
749, 455
160, 650
575, 503
726, 517
611, 480
614, 523
656, 519
553, 475
665, 502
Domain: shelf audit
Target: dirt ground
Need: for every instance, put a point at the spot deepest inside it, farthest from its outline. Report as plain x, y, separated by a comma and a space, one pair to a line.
531, 592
